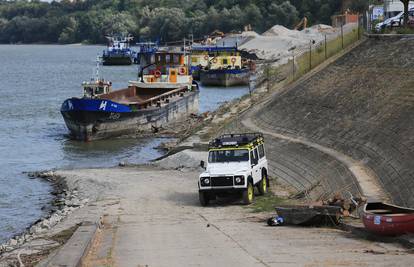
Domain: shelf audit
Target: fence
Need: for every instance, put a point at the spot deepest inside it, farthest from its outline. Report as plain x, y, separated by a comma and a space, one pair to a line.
306, 58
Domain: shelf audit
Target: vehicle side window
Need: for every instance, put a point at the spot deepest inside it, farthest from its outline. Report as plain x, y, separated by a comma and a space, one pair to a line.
254, 157
261, 151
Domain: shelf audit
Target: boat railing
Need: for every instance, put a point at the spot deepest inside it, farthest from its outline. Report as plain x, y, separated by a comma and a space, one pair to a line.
156, 100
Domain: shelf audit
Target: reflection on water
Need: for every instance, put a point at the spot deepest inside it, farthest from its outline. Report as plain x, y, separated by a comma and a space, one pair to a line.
101, 153
35, 80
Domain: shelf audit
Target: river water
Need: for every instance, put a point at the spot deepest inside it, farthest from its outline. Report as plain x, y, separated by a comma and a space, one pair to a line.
34, 81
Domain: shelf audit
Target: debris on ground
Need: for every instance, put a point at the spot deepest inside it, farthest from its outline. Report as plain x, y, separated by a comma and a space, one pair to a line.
347, 205
275, 221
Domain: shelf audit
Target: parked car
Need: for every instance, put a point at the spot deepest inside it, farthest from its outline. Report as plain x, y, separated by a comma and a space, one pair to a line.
236, 164
395, 21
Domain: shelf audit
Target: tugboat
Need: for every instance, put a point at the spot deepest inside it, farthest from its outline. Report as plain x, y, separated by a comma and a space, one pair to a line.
222, 66
118, 51
164, 94
147, 48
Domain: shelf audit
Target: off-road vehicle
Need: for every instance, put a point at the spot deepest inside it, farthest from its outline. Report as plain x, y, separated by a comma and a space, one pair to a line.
236, 163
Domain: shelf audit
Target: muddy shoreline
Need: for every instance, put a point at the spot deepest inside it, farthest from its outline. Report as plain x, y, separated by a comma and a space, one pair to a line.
63, 202
66, 200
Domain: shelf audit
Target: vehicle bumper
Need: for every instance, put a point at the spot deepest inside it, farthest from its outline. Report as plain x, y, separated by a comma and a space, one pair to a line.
222, 189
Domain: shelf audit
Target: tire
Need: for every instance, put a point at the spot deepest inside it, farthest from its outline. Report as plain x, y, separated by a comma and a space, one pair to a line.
263, 185
248, 194
204, 198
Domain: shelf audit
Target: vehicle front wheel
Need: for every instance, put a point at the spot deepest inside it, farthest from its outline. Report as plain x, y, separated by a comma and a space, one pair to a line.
263, 184
204, 198
248, 194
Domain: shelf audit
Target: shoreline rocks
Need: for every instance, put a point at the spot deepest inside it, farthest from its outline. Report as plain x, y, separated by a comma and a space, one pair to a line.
63, 203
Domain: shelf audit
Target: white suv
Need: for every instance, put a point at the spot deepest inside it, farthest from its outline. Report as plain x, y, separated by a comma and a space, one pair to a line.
236, 163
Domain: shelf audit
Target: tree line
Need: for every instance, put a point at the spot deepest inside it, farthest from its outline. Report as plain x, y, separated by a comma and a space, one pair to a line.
88, 21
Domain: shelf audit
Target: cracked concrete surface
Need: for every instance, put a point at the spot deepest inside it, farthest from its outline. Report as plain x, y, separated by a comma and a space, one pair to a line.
158, 222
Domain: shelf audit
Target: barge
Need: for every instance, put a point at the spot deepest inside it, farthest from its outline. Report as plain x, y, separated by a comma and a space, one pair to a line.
219, 66
162, 96
118, 51
225, 77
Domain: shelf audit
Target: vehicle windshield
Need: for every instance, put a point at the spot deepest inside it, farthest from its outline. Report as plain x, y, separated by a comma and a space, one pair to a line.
235, 155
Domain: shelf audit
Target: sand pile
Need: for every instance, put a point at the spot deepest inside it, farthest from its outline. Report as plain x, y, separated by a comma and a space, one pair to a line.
278, 43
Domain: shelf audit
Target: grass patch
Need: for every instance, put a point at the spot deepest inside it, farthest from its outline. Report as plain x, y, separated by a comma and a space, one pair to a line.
266, 203
403, 30
318, 52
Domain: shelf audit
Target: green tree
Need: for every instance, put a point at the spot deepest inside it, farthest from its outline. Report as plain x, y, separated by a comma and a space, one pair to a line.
359, 6
68, 35
284, 14
165, 23
253, 16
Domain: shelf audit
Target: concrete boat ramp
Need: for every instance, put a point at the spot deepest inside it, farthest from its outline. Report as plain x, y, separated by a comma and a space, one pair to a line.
151, 217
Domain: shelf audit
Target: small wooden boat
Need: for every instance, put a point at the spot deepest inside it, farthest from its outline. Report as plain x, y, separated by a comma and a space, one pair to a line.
309, 215
387, 219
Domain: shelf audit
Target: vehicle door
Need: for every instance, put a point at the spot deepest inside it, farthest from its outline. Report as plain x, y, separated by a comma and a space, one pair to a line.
262, 157
254, 162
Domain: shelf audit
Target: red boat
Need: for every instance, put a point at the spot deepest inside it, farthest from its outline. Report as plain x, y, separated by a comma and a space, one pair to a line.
387, 219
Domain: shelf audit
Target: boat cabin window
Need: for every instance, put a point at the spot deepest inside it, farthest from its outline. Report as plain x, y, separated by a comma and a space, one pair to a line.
99, 90
176, 58
88, 91
225, 61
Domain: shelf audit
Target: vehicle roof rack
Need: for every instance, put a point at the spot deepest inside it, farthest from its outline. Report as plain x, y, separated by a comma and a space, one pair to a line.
231, 140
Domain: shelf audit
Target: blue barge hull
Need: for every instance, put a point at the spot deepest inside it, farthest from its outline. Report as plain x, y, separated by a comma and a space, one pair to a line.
90, 119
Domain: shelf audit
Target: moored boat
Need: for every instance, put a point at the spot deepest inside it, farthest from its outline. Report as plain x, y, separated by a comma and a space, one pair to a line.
224, 77
220, 66
118, 51
387, 219
309, 214
156, 99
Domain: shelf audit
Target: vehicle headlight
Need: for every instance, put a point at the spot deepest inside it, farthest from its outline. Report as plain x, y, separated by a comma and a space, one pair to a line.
239, 180
205, 181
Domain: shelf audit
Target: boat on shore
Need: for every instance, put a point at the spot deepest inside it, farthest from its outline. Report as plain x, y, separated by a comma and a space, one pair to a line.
165, 94
118, 51
386, 219
219, 66
306, 215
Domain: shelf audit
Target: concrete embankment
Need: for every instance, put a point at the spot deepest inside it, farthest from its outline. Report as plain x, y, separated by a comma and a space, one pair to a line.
361, 105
